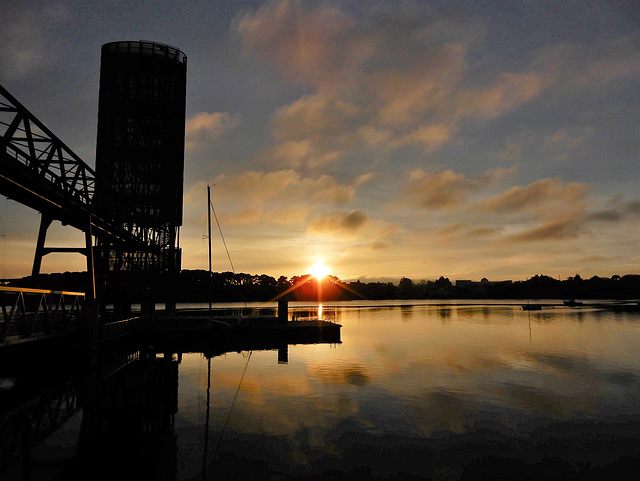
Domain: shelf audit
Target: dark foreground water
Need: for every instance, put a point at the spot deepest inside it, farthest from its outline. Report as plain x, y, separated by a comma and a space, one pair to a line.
422, 391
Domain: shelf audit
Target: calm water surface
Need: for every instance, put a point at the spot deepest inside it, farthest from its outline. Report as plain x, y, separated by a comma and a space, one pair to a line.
408, 380
414, 390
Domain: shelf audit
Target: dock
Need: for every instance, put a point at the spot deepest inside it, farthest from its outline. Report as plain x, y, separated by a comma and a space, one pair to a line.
228, 334
33, 316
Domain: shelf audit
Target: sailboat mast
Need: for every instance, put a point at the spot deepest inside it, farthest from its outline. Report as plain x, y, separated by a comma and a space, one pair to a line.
209, 237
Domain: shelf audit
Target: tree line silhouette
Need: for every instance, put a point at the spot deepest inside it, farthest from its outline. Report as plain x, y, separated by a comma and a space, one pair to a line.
195, 286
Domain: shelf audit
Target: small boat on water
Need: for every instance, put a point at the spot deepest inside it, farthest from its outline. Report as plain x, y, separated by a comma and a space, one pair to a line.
531, 307
572, 303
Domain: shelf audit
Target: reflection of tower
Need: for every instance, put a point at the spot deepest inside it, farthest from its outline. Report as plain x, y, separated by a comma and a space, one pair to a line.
129, 401
140, 151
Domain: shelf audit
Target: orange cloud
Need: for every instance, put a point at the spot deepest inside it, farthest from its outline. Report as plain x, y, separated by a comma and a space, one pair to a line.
282, 196
344, 223
506, 94
466, 230
402, 86
203, 127
568, 228
288, 154
537, 196
448, 189
315, 115
307, 44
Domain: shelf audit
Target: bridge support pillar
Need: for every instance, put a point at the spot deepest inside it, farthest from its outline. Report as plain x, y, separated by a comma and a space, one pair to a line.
45, 223
91, 331
283, 311
91, 288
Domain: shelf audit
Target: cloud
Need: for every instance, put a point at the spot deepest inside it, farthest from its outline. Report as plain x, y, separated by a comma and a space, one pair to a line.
589, 65
405, 75
568, 228
282, 196
547, 209
631, 208
431, 136
391, 79
27, 36
543, 210
204, 127
289, 154
508, 92
466, 230
307, 44
364, 179
537, 197
342, 223
315, 115
562, 137
448, 189
557, 211
610, 215
441, 190
595, 258
512, 151
616, 210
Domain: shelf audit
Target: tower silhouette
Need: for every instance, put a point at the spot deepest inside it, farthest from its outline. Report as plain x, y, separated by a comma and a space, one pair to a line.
140, 152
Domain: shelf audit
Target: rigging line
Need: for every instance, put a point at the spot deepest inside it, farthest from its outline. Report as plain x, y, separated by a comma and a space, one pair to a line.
233, 269
226, 423
221, 235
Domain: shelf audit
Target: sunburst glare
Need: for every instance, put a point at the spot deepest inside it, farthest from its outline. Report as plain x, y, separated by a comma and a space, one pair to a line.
319, 270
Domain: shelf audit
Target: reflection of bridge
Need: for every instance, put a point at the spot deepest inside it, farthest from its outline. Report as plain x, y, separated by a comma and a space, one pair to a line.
104, 413
124, 402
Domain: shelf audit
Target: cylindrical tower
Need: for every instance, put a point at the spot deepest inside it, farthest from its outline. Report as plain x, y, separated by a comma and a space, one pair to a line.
140, 150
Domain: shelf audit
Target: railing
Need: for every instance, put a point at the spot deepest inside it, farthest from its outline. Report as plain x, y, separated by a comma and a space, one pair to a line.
111, 330
29, 314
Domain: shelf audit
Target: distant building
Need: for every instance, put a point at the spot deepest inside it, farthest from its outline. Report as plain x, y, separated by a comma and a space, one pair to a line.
465, 283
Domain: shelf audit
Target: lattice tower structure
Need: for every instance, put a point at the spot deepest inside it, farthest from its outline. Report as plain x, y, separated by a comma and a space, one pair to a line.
140, 151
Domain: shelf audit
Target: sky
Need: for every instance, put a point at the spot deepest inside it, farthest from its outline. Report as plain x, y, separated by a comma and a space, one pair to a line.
464, 139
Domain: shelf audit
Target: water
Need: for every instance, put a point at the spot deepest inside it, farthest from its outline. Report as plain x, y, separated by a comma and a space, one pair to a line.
423, 389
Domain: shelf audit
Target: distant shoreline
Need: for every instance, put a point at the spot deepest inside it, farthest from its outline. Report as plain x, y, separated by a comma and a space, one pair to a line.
195, 285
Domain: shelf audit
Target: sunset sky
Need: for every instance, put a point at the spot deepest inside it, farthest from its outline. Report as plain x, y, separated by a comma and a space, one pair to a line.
468, 139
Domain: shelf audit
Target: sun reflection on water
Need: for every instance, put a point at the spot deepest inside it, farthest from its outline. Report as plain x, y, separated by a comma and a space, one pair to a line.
428, 369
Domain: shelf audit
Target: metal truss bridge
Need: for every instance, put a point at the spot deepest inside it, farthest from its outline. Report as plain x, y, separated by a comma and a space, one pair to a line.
38, 170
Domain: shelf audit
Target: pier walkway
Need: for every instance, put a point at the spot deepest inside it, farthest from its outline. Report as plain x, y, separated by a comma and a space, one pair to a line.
36, 314
32, 315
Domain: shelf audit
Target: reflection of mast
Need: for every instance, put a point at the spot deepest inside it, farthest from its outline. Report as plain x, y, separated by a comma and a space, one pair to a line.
233, 403
206, 424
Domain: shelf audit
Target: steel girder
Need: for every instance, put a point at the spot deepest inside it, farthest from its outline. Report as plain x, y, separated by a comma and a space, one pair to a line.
38, 170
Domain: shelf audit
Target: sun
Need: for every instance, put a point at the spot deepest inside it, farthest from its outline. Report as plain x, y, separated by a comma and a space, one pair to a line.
319, 270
